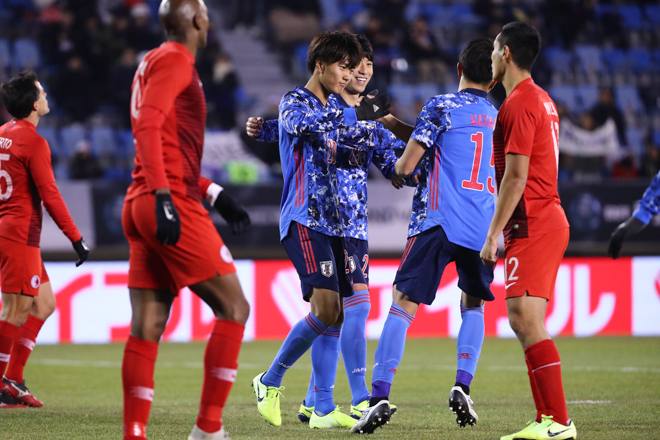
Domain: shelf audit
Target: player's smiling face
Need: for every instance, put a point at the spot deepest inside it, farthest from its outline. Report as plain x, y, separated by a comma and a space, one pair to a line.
361, 77
497, 60
336, 76
41, 103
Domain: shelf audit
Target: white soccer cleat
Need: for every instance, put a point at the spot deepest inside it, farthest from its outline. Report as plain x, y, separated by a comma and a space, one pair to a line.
461, 405
372, 418
198, 434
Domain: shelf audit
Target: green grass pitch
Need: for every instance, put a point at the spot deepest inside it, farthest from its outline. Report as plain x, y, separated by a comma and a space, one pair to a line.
612, 386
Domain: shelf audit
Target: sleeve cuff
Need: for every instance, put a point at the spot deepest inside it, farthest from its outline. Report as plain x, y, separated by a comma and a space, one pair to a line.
643, 215
424, 140
213, 192
350, 117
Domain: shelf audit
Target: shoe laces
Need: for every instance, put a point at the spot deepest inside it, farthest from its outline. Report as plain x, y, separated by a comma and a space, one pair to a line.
547, 420
275, 391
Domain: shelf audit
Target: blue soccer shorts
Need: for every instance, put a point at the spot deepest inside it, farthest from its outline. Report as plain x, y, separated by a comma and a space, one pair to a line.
424, 260
357, 254
319, 259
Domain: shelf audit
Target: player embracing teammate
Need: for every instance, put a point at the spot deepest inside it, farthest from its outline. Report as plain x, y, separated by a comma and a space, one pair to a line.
534, 224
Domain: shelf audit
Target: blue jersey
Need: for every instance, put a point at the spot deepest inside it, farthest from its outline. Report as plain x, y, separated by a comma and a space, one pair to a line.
367, 142
650, 203
457, 184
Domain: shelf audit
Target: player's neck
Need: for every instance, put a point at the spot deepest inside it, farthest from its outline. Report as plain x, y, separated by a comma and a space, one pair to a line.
350, 98
315, 86
467, 84
189, 43
513, 77
33, 119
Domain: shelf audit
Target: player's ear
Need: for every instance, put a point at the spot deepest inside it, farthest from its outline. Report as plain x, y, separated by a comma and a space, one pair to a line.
195, 24
506, 53
459, 69
320, 65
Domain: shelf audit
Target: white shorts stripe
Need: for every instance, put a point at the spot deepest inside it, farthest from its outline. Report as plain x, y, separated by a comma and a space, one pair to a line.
546, 366
227, 374
4, 357
143, 393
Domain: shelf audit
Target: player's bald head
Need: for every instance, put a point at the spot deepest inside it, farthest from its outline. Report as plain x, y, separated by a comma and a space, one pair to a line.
178, 17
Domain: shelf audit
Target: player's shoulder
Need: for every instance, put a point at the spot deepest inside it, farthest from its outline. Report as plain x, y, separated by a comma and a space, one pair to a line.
169, 54
296, 97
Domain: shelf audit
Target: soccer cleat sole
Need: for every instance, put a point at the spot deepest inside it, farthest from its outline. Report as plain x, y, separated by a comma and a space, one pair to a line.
375, 421
459, 406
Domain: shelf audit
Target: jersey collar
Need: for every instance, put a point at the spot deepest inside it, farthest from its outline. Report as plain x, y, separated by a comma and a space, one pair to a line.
181, 48
480, 93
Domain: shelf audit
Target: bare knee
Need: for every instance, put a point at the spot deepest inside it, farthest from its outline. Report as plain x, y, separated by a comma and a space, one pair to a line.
44, 305
15, 309
151, 310
471, 301
326, 306
237, 311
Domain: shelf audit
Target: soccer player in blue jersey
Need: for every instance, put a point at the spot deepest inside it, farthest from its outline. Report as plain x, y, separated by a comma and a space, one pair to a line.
352, 170
648, 207
452, 209
310, 227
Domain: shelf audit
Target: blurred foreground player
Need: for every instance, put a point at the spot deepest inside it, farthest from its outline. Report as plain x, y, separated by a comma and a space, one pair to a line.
535, 228
172, 240
648, 207
26, 179
452, 139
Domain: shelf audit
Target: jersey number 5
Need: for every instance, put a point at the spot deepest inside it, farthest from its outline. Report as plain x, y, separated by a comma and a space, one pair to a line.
478, 139
4, 195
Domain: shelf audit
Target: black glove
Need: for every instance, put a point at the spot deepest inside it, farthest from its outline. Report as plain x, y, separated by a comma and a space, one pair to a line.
168, 224
630, 227
371, 109
82, 250
233, 213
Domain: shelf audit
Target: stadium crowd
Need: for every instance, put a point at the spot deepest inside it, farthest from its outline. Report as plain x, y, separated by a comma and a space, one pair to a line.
598, 63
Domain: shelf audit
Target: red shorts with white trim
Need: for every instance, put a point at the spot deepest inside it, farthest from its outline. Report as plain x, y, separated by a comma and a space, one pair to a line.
198, 256
531, 264
21, 268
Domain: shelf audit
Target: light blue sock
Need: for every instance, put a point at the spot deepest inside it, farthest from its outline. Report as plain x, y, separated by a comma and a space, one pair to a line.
390, 346
469, 342
325, 356
353, 343
309, 397
297, 342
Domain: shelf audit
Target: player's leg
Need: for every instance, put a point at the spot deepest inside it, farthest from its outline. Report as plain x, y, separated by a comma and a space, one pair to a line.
15, 310
224, 295
42, 307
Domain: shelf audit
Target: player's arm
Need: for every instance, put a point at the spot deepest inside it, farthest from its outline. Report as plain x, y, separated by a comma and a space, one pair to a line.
648, 207
41, 171
510, 191
400, 129
234, 214
167, 79
263, 131
385, 161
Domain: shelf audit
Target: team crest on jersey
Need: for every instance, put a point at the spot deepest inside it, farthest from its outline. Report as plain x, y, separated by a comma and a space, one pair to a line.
35, 282
327, 268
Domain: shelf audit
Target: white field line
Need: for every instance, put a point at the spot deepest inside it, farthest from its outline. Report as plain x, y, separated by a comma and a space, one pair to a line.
307, 365
588, 402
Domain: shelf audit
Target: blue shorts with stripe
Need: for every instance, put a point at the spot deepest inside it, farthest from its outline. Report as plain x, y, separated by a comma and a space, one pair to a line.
358, 259
319, 259
424, 260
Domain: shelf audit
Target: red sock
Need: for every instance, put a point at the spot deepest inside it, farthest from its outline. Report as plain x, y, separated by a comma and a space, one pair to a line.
538, 399
544, 360
25, 339
7, 335
137, 373
220, 365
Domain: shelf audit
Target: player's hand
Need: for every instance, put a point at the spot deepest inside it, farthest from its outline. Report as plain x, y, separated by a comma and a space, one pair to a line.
82, 250
253, 126
370, 109
168, 224
234, 214
415, 177
398, 181
630, 227
488, 253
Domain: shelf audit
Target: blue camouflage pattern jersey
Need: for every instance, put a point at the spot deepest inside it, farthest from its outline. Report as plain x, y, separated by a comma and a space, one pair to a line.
352, 162
457, 181
650, 203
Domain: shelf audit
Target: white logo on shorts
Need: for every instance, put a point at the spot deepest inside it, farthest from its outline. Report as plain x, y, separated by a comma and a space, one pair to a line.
327, 268
226, 255
35, 282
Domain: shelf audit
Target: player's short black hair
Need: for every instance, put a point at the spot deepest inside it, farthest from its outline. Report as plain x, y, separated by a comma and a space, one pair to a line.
475, 58
524, 42
19, 94
334, 46
367, 48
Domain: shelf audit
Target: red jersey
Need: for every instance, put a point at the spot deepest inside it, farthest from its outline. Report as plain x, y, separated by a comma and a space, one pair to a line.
528, 124
26, 178
168, 116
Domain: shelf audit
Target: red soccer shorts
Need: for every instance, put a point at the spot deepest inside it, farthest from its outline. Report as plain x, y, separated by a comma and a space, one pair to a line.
531, 264
199, 254
21, 268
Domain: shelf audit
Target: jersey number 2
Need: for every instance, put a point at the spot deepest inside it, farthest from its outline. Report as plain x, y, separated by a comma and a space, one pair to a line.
4, 195
478, 139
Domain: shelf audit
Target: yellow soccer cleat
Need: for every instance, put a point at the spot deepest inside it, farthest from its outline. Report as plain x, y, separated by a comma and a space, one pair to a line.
522, 433
268, 401
305, 412
335, 419
548, 429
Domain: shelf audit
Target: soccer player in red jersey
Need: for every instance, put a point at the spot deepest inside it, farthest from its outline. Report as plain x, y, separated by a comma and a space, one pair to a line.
26, 179
529, 213
172, 240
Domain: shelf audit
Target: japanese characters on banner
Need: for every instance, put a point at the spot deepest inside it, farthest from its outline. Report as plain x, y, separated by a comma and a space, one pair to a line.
593, 296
